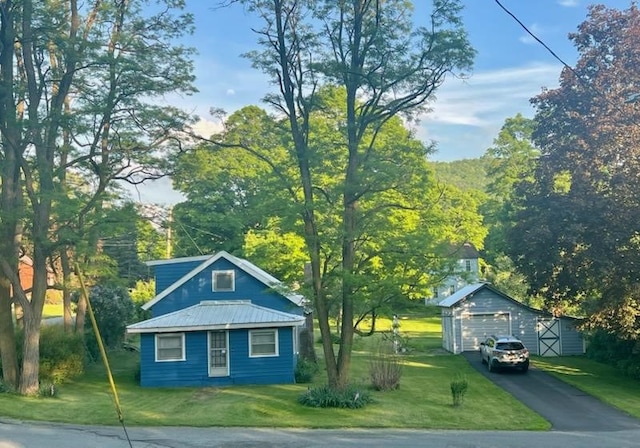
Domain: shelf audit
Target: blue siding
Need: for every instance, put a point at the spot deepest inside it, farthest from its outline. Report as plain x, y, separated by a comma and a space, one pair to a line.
167, 274
194, 370
199, 288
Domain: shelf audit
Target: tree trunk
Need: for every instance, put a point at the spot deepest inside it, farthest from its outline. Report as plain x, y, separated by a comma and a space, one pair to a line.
29, 381
7, 338
306, 340
66, 291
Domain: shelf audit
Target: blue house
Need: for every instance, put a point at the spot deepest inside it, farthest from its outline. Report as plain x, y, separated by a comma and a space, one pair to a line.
218, 320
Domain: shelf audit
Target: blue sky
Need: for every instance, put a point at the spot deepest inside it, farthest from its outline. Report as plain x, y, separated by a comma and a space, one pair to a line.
509, 69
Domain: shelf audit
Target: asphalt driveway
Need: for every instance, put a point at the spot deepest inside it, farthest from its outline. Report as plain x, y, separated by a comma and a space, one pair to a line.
564, 406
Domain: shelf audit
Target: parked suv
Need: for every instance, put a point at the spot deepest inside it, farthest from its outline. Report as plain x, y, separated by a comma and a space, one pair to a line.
504, 351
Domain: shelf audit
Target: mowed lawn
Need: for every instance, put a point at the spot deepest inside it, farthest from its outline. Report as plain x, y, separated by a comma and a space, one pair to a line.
597, 379
422, 401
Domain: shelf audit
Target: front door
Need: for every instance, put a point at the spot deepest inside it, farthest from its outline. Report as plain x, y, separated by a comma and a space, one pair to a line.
549, 337
218, 353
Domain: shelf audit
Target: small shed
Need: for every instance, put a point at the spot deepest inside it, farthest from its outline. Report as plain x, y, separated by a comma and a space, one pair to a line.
480, 310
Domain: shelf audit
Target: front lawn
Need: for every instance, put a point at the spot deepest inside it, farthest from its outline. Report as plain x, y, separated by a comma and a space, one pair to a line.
597, 379
423, 400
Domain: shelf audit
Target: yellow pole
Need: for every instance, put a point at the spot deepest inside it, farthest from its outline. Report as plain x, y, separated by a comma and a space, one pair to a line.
103, 352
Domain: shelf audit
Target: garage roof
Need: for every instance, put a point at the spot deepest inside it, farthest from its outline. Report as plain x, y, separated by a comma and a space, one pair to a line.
470, 290
461, 294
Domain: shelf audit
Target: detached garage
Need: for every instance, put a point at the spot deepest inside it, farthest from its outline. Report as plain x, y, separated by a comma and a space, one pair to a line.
477, 311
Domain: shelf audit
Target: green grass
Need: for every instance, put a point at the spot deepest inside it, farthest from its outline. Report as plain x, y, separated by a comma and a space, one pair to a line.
423, 400
52, 310
597, 379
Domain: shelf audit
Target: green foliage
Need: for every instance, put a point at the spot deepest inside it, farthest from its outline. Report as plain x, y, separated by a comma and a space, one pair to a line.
47, 390
4, 388
305, 370
113, 309
609, 349
511, 160
350, 397
62, 354
459, 386
385, 371
280, 253
468, 174
576, 233
141, 294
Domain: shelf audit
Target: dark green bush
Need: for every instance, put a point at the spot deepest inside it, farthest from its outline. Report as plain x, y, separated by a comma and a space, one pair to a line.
305, 370
113, 309
350, 397
623, 354
4, 388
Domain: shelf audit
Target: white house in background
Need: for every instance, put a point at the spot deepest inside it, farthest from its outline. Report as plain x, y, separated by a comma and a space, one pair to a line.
465, 271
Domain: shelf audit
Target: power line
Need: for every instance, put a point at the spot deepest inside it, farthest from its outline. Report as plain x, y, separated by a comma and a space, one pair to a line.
580, 79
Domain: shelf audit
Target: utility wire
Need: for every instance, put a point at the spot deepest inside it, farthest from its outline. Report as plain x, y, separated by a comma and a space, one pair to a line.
567, 66
553, 53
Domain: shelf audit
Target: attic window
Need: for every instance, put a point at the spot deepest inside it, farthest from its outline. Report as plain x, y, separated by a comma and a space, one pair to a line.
223, 281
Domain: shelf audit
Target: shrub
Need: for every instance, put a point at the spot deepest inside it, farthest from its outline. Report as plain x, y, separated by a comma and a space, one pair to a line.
305, 370
350, 397
48, 390
459, 386
61, 354
4, 388
385, 371
113, 309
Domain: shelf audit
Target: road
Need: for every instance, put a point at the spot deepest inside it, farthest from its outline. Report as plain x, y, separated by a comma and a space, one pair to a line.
15, 434
564, 406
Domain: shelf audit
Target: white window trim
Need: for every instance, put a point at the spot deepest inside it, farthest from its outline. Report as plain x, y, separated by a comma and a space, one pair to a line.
233, 280
264, 355
160, 335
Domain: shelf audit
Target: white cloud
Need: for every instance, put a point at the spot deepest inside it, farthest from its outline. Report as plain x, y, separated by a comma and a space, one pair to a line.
569, 3
206, 128
477, 100
158, 192
468, 114
231, 92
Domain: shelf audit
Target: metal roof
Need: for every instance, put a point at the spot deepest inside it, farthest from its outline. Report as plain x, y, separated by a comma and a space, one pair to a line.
460, 295
217, 315
250, 268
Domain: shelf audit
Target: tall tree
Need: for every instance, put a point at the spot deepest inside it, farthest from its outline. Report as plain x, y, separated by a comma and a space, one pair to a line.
511, 160
577, 235
387, 67
77, 80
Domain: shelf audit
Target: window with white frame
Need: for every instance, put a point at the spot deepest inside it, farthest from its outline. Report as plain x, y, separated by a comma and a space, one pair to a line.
224, 281
467, 265
263, 343
170, 347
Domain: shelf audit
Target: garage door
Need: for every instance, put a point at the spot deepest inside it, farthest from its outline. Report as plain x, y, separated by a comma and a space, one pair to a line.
476, 328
